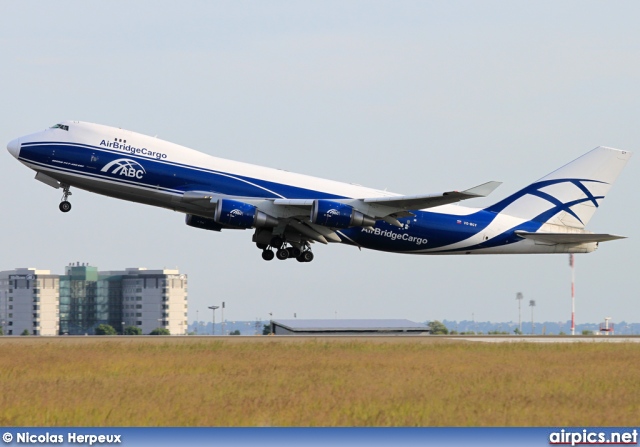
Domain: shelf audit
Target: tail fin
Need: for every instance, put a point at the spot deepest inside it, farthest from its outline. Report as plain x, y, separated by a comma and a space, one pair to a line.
570, 195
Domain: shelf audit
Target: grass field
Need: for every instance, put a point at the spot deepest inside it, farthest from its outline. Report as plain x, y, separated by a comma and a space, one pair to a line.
259, 381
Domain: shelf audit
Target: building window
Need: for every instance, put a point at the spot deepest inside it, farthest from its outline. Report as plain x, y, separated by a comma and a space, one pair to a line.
138, 315
138, 323
138, 306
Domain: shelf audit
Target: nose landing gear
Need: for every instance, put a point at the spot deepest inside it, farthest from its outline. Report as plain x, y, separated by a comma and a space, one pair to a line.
65, 206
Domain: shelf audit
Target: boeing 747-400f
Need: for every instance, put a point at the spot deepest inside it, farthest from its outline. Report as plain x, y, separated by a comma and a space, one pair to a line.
290, 211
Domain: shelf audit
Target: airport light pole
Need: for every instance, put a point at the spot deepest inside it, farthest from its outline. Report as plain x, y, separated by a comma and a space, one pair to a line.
519, 297
222, 318
213, 329
532, 304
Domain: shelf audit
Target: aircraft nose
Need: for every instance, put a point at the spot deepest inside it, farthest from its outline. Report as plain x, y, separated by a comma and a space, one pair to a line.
14, 147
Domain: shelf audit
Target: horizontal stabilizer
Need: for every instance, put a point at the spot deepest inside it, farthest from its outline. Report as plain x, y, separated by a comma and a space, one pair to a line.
568, 238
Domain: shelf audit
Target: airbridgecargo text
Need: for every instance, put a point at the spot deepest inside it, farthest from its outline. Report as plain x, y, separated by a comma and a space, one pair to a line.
133, 150
396, 236
70, 438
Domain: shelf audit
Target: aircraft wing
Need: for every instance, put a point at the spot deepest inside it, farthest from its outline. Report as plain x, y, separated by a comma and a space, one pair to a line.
295, 212
420, 202
568, 238
199, 197
391, 208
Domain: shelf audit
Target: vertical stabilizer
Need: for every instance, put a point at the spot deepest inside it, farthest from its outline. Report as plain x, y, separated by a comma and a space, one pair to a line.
570, 195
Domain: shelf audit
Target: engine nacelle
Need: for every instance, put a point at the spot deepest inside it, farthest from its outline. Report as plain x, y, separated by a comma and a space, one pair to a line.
338, 215
242, 215
202, 222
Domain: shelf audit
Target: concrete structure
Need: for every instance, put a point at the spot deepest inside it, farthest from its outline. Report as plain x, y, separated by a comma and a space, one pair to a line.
347, 327
29, 301
83, 298
155, 298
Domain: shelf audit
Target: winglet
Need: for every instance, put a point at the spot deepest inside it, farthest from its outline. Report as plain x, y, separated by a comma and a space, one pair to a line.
482, 190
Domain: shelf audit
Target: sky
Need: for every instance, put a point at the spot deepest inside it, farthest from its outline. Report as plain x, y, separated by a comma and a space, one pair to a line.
412, 96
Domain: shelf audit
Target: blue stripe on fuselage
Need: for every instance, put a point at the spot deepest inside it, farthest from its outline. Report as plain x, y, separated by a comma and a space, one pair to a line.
159, 174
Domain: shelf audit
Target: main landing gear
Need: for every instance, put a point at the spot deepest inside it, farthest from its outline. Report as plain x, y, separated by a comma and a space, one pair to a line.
301, 253
65, 206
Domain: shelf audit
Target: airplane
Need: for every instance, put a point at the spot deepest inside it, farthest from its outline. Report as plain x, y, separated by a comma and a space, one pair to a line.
289, 212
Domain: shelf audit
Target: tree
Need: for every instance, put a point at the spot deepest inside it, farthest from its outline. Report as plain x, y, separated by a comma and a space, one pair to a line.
160, 331
236, 332
26, 332
266, 329
517, 331
132, 330
105, 329
1, 331
587, 332
437, 328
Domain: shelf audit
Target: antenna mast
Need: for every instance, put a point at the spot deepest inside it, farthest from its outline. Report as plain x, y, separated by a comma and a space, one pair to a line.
573, 294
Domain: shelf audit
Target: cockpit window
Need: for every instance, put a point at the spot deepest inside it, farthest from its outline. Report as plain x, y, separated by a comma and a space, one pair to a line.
60, 126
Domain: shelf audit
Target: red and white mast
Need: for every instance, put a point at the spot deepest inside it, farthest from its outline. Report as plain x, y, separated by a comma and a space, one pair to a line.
573, 294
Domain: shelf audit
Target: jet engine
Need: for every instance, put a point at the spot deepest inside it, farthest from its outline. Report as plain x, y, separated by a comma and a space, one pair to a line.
338, 215
202, 223
242, 215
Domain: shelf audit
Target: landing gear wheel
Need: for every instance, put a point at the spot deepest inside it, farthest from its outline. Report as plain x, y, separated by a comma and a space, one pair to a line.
307, 256
65, 206
261, 246
282, 254
267, 255
293, 252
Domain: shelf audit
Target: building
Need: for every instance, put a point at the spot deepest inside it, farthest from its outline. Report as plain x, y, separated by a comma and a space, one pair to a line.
155, 298
77, 302
80, 309
29, 302
347, 327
